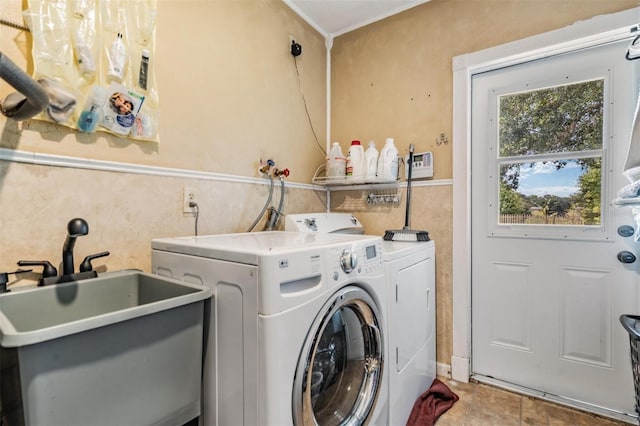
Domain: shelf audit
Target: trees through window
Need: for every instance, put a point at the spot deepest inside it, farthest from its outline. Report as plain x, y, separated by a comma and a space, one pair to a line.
550, 147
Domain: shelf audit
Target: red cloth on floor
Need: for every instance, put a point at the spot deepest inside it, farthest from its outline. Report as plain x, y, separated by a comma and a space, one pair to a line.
432, 404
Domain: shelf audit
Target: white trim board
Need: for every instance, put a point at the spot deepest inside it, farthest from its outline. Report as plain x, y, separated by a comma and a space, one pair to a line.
53, 160
118, 167
595, 31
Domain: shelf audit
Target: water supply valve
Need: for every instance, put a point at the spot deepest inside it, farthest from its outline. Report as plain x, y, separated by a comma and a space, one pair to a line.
265, 167
280, 173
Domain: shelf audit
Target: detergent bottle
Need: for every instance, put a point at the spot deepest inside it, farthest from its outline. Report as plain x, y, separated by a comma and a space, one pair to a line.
371, 161
388, 162
336, 162
355, 162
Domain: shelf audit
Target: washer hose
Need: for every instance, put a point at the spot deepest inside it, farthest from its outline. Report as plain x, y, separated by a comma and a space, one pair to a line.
275, 214
264, 209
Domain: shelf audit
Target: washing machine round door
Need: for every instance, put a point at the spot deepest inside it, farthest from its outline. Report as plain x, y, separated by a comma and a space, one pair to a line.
339, 373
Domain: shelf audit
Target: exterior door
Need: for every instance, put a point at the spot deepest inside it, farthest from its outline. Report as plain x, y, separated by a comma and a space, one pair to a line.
549, 139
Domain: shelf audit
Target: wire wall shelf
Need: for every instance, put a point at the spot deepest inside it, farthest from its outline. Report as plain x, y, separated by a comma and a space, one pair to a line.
366, 201
374, 192
356, 183
390, 197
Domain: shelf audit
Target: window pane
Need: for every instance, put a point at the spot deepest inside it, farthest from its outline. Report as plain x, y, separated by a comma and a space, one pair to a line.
557, 119
561, 192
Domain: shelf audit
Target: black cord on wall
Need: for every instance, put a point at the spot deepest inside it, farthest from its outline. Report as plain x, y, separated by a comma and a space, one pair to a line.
194, 206
306, 109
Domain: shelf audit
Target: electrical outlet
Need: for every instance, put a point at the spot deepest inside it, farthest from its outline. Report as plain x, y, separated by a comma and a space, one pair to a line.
188, 196
294, 47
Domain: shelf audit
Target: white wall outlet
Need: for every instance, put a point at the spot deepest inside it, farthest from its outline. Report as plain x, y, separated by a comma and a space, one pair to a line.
189, 195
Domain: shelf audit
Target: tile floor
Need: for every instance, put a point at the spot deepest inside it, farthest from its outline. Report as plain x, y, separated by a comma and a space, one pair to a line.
484, 405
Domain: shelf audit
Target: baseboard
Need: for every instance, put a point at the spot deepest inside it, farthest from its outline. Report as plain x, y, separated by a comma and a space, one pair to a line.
443, 370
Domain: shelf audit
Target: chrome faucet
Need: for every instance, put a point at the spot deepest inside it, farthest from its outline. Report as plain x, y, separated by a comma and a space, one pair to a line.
76, 228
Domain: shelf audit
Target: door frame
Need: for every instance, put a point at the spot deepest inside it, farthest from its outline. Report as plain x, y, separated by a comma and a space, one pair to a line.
598, 30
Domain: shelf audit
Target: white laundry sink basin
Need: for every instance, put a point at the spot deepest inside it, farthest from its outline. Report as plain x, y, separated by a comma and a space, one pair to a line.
122, 348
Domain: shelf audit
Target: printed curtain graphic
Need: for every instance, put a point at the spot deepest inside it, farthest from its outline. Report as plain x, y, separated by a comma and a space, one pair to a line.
95, 58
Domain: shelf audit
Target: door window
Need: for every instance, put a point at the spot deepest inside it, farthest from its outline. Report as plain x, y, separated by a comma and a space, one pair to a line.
548, 158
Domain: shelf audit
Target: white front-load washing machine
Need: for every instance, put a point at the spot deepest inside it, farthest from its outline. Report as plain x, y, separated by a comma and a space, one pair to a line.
411, 319
296, 331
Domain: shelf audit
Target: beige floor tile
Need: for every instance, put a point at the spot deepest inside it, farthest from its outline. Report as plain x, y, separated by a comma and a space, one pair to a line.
586, 419
484, 405
463, 390
457, 415
533, 412
559, 416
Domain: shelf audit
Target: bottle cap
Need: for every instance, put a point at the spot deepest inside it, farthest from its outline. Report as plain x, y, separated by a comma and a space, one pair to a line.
355, 142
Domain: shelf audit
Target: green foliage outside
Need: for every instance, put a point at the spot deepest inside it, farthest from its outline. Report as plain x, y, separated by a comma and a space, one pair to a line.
510, 201
554, 120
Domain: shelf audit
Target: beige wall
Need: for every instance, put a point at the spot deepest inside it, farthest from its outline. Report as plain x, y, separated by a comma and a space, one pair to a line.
228, 91
229, 95
394, 79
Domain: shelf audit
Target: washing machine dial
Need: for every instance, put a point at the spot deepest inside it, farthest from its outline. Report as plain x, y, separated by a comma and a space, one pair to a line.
348, 261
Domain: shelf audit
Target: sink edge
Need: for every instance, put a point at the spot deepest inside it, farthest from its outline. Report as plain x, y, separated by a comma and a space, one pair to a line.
10, 337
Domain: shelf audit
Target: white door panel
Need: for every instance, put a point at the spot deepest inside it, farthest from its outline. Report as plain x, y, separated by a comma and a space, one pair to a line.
546, 298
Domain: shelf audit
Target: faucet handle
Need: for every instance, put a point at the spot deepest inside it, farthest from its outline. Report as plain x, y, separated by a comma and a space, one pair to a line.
48, 269
86, 266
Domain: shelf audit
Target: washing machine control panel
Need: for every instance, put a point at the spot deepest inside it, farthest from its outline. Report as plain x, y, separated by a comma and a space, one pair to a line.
348, 261
358, 259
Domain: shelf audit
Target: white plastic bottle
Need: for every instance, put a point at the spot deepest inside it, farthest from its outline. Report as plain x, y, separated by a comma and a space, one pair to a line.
336, 162
117, 58
388, 162
371, 161
355, 162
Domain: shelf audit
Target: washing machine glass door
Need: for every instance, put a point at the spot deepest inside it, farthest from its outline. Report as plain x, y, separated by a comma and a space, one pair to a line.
339, 371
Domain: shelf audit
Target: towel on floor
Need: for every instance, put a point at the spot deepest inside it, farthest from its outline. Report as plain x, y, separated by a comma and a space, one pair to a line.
432, 404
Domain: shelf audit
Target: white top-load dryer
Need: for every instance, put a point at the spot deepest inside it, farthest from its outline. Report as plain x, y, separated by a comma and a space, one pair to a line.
411, 296
295, 332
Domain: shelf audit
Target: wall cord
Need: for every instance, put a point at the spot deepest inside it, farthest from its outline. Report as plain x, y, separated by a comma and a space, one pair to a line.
194, 206
304, 100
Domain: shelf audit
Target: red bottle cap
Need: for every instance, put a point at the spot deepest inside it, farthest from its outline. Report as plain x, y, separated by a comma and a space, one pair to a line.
355, 142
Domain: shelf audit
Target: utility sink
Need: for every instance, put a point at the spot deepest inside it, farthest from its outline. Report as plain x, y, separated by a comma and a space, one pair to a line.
122, 348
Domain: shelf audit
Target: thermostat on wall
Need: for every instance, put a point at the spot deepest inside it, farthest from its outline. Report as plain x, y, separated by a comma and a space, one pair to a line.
422, 167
